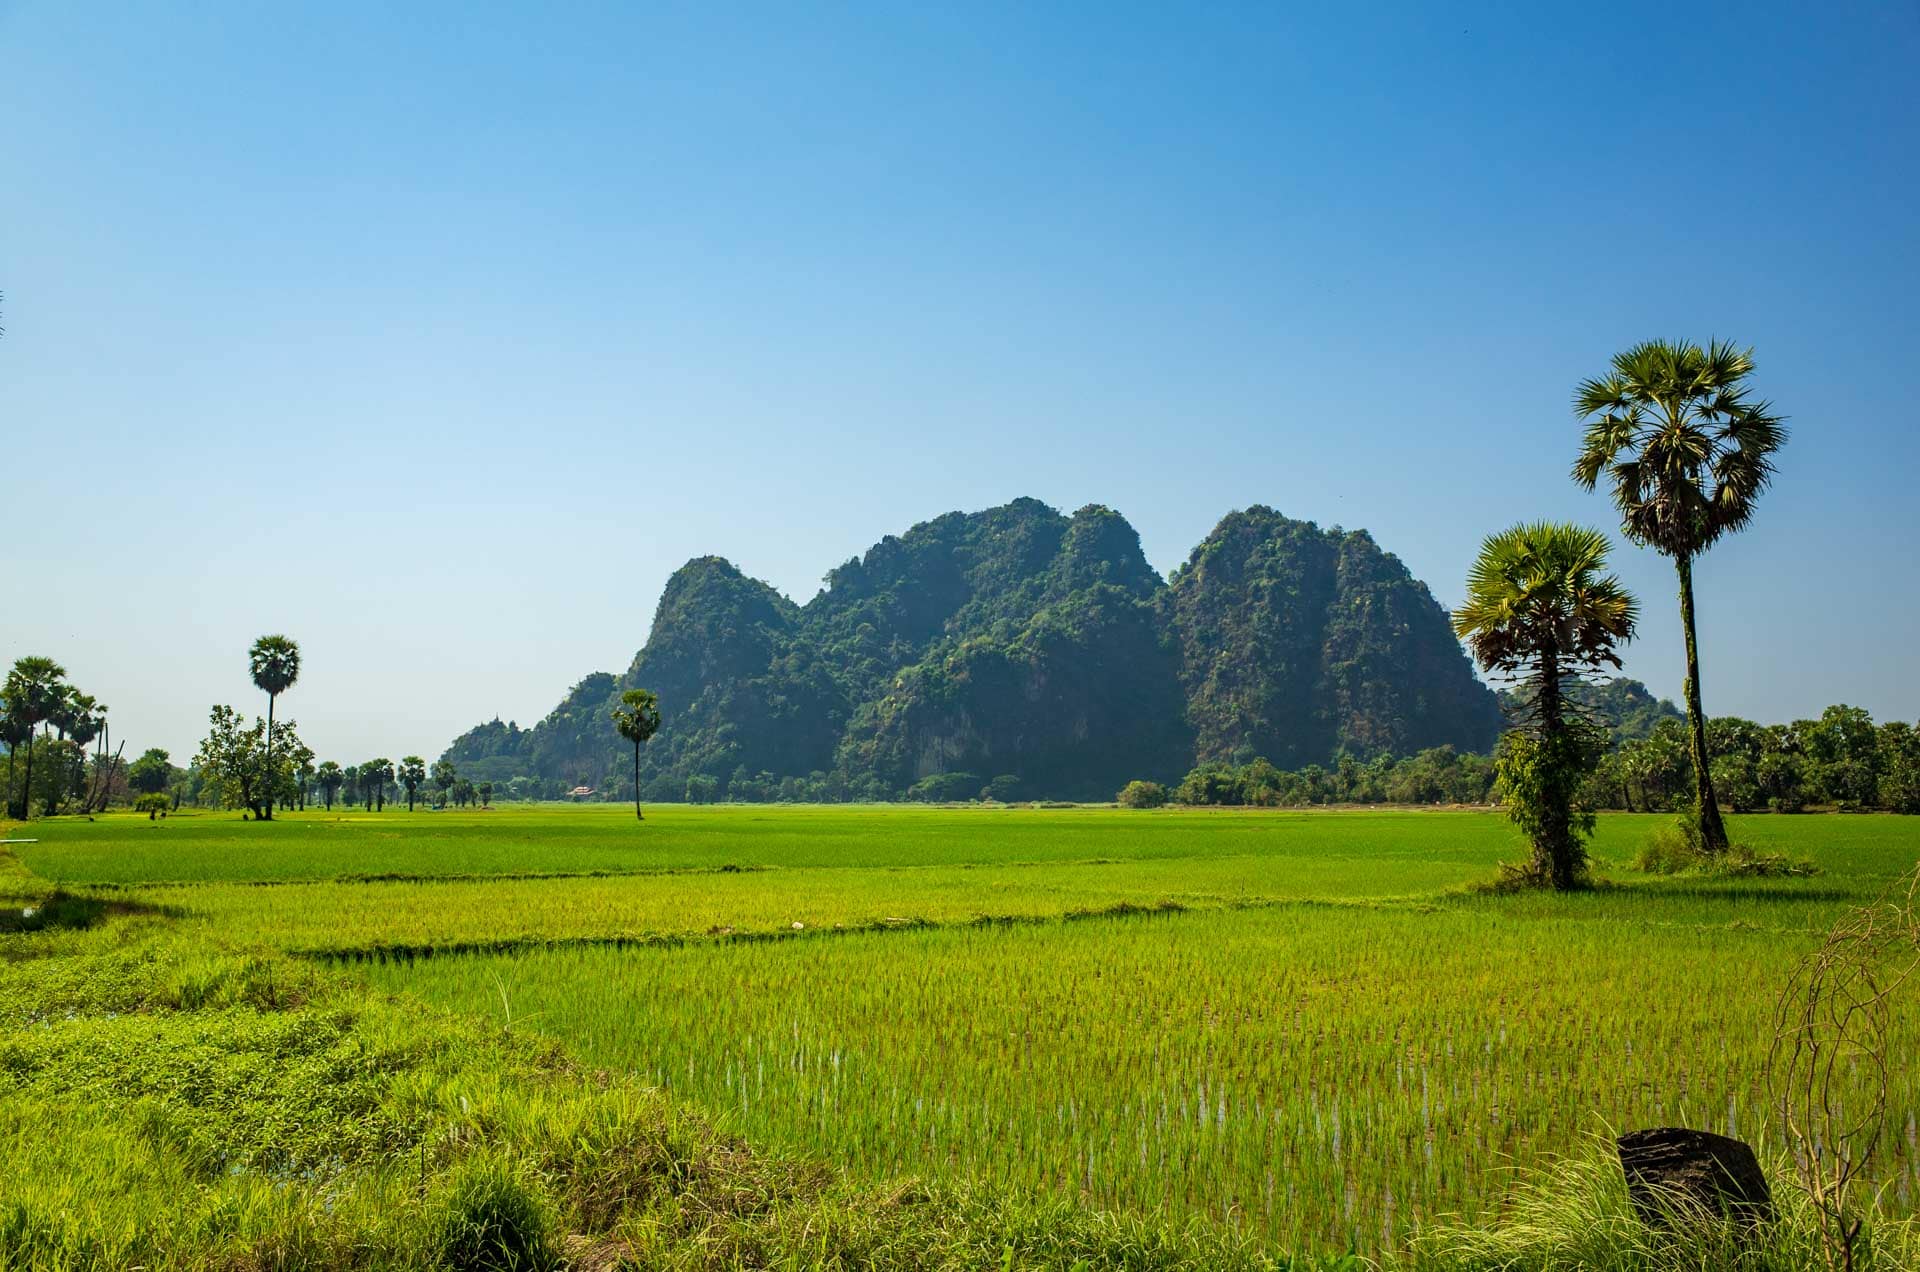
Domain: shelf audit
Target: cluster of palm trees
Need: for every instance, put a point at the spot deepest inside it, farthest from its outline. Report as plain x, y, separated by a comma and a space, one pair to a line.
42, 713
1686, 454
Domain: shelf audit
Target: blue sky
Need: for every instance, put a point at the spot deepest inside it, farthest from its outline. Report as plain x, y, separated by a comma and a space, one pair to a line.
438, 335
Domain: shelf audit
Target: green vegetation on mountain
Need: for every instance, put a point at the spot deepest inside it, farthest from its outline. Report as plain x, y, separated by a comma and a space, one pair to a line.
1021, 650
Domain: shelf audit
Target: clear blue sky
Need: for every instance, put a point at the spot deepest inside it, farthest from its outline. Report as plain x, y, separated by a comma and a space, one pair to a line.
438, 335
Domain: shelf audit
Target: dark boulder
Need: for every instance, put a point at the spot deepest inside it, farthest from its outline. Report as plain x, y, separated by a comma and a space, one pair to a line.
1672, 1168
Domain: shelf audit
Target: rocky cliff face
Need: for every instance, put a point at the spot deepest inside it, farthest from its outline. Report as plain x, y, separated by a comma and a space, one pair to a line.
1021, 644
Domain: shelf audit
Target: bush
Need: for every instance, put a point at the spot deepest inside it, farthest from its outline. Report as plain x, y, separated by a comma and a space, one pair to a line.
1676, 849
495, 1221
155, 805
1138, 794
1671, 849
945, 788
1002, 789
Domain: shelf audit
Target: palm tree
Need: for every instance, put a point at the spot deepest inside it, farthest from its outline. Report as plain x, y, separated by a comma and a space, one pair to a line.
330, 776
637, 718
15, 732
1539, 610
34, 690
413, 771
1687, 454
78, 718
375, 776
274, 662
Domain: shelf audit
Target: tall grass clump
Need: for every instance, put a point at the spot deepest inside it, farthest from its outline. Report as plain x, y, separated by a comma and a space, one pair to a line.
495, 1218
1678, 848
1575, 1214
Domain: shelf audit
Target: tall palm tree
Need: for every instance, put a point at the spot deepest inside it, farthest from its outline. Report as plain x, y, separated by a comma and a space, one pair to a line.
34, 690
1540, 610
637, 718
274, 662
375, 776
1687, 454
15, 732
413, 771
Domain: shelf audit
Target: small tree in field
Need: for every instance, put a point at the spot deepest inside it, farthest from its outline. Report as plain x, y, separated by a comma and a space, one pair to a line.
150, 773
637, 718
1539, 611
1687, 454
274, 662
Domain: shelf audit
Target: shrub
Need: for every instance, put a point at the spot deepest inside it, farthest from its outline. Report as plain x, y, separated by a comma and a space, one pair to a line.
1138, 794
945, 788
494, 1220
1668, 850
155, 805
1676, 849
1002, 789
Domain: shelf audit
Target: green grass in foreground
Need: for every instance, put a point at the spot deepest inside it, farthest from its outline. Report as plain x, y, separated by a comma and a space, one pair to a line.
1319, 1076
1197, 1089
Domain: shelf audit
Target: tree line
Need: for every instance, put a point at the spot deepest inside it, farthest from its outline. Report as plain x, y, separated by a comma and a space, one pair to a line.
1841, 760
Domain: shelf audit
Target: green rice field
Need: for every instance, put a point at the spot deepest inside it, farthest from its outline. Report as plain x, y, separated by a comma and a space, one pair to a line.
1302, 1027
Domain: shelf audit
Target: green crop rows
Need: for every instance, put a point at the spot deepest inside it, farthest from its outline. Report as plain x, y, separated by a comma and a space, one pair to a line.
1298, 1026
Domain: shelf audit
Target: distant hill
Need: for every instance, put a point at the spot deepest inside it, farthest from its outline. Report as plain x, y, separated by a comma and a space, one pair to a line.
1627, 708
1026, 646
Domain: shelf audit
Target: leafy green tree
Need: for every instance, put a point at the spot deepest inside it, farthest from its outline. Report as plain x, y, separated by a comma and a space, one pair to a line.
1845, 749
1899, 751
636, 719
1142, 794
1539, 609
230, 759
330, 777
151, 773
34, 689
1687, 454
1001, 789
274, 663
412, 772
1782, 768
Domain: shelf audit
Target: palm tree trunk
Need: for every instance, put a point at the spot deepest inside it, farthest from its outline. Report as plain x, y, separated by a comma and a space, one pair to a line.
1553, 854
26, 796
268, 793
12, 749
636, 783
1713, 832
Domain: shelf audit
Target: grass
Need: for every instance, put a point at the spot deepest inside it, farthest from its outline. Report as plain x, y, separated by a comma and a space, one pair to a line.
1319, 1076
997, 1037
1357, 852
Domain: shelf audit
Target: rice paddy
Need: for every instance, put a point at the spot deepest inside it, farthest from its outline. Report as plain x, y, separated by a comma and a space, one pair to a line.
1296, 1027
